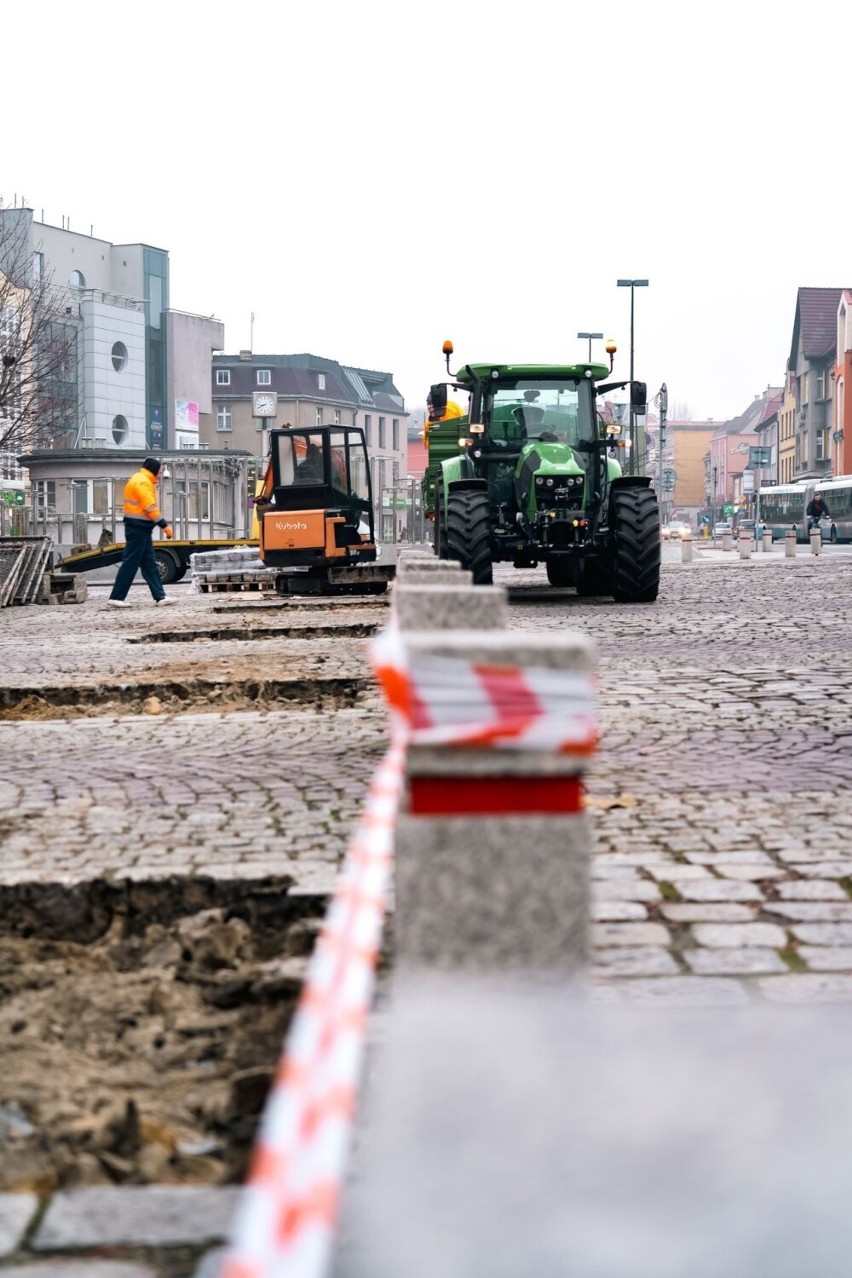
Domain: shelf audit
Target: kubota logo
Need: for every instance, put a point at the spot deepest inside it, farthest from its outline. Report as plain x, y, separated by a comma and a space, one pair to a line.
290, 525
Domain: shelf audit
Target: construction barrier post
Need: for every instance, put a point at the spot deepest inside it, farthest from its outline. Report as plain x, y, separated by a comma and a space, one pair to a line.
766, 539
686, 548
816, 541
789, 544
728, 540
493, 845
744, 545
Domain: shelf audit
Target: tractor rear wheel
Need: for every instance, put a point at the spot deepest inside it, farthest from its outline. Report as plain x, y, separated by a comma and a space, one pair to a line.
560, 572
635, 524
469, 533
593, 579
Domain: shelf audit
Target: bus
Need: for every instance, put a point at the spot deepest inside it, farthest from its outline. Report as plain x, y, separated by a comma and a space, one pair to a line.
781, 507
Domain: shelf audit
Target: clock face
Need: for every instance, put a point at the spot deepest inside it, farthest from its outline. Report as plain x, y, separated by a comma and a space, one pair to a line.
264, 405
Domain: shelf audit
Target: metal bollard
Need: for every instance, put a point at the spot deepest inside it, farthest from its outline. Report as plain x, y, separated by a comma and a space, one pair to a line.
816, 541
744, 545
766, 540
686, 548
728, 540
789, 544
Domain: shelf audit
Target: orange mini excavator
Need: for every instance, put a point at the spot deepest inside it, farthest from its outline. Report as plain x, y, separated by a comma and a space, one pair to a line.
315, 513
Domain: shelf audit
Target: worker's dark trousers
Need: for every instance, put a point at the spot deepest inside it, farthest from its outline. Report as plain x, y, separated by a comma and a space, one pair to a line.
138, 554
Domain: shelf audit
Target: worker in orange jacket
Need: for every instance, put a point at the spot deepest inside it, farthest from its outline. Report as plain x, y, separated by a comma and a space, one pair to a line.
141, 516
451, 411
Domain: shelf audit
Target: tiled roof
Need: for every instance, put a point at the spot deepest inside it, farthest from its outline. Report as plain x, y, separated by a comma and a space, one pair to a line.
815, 327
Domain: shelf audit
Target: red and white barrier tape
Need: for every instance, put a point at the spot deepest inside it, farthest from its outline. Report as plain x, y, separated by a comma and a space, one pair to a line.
285, 1221
451, 701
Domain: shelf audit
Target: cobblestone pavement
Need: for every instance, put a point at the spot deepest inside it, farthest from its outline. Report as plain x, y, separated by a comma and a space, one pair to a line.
719, 798
720, 795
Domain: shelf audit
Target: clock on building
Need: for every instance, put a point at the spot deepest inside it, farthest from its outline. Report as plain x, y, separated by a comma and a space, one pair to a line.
264, 404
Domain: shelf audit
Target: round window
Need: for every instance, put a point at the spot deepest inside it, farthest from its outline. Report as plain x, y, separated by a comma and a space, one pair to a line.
76, 281
119, 356
119, 428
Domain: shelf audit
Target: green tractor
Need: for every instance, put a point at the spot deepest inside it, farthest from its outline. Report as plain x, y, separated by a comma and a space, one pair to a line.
529, 475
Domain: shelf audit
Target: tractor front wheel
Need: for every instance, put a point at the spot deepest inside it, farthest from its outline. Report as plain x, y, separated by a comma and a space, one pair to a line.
469, 533
635, 524
593, 579
560, 572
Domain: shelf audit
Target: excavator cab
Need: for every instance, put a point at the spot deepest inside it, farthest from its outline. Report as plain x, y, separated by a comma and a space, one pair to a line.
316, 509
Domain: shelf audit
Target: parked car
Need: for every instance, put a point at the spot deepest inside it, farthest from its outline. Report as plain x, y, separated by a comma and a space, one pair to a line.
718, 529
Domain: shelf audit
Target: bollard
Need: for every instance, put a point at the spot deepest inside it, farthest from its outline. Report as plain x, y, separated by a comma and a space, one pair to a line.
790, 544
766, 540
816, 541
744, 545
448, 607
728, 540
493, 845
420, 571
686, 548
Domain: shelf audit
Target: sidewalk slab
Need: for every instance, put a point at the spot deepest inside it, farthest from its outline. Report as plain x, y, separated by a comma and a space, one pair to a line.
16, 1212
136, 1216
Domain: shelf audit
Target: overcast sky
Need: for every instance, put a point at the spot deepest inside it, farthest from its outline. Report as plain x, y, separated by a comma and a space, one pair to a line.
372, 178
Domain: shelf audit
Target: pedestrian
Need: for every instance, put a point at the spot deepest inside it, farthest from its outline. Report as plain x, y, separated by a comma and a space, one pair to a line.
817, 510
141, 516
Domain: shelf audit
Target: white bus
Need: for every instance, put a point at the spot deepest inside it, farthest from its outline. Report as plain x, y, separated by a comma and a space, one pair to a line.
781, 507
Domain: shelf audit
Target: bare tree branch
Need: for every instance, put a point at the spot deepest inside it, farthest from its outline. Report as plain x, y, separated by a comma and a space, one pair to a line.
38, 347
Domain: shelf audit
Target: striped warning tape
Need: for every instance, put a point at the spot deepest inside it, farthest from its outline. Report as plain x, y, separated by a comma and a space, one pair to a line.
442, 700
285, 1221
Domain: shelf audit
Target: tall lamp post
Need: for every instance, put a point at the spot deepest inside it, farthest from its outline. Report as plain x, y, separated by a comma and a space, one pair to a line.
632, 285
591, 336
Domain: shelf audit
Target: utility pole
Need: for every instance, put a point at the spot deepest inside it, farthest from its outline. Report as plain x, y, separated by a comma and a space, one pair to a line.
663, 405
632, 285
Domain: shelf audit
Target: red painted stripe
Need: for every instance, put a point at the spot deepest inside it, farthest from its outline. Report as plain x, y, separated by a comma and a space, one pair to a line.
491, 796
508, 691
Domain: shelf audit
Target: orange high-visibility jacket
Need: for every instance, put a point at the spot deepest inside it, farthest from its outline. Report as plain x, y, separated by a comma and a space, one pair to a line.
140, 497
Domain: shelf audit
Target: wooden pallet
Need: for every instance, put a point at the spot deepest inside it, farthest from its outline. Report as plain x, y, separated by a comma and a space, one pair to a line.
228, 587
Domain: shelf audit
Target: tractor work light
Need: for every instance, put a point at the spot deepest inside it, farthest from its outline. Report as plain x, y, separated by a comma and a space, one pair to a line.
477, 428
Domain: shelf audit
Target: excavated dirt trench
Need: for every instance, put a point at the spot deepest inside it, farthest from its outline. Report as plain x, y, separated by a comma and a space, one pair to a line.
141, 1025
170, 697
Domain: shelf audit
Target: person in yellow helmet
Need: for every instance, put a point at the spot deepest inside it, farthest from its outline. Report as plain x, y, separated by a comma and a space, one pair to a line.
141, 516
436, 415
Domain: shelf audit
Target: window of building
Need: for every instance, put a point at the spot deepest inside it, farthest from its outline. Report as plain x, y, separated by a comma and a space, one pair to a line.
395, 433
319, 416
820, 445
223, 417
803, 389
337, 416
76, 281
321, 381
119, 356
100, 496
382, 440
821, 384
38, 267
44, 494
223, 376
368, 426
119, 428
264, 377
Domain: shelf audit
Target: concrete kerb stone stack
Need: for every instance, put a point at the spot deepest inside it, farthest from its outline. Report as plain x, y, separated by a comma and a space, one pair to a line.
493, 847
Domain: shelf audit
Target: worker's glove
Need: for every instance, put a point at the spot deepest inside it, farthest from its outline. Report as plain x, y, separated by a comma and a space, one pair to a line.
168, 531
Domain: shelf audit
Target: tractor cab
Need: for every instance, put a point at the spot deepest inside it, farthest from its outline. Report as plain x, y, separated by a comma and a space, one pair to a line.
316, 498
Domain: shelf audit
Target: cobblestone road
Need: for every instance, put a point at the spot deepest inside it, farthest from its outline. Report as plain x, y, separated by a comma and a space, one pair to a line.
720, 800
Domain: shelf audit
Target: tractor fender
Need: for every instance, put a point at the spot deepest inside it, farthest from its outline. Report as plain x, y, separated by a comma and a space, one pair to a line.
464, 485
455, 469
630, 481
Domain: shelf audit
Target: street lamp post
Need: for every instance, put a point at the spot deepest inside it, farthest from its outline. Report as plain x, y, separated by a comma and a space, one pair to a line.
591, 336
632, 285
